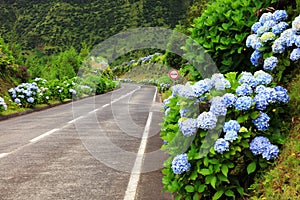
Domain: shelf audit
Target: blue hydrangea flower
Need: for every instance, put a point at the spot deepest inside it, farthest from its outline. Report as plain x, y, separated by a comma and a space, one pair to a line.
263, 29
221, 145
180, 164
282, 95
219, 81
243, 103
244, 90
17, 101
265, 17
256, 58
271, 152
297, 41
263, 77
218, 108
230, 136
248, 78
183, 112
279, 28
296, 25
259, 145
187, 127
175, 89
229, 99
270, 94
30, 100
2, 104
166, 102
254, 42
295, 54
270, 63
267, 36
279, 45
262, 122
206, 120
167, 112
231, 125
288, 36
280, 15
201, 87
261, 101
256, 26
270, 23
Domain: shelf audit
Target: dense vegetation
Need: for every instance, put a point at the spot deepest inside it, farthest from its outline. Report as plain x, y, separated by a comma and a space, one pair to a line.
56, 25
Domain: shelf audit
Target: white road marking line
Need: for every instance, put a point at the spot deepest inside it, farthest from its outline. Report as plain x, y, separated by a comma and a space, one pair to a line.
43, 135
2, 155
105, 105
137, 168
123, 96
74, 120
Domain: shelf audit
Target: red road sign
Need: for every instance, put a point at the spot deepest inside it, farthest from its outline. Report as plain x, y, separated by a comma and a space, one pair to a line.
174, 74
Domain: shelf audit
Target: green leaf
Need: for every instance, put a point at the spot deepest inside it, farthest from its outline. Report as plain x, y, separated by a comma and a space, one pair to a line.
240, 191
194, 175
204, 172
214, 161
229, 193
189, 188
251, 167
224, 170
218, 195
243, 118
205, 161
222, 178
178, 197
201, 188
254, 115
213, 182
196, 196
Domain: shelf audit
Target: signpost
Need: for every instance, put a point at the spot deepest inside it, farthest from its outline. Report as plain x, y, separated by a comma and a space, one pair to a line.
174, 74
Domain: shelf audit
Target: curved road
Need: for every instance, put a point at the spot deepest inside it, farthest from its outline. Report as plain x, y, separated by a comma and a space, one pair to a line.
101, 147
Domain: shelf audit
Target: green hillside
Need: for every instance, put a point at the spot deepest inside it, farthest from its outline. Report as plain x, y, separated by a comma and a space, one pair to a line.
59, 24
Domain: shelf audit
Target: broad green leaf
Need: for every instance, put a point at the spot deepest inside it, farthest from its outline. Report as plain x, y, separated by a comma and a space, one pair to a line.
214, 161
251, 167
201, 188
222, 178
194, 175
229, 193
189, 188
254, 115
204, 172
218, 195
213, 181
243, 118
196, 196
240, 191
224, 170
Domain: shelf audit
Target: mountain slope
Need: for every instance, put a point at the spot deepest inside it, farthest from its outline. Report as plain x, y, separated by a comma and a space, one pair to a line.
55, 25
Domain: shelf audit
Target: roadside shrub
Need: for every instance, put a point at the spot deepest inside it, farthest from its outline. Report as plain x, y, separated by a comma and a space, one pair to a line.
222, 30
219, 133
3, 106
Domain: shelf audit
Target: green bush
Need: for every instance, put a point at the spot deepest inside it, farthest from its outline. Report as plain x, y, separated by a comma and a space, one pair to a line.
222, 30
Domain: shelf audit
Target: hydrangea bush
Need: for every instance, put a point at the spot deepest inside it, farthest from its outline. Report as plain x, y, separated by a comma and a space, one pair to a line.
41, 91
275, 42
227, 128
3, 105
218, 133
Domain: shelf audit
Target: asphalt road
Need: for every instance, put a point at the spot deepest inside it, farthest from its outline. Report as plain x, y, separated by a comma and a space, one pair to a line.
101, 147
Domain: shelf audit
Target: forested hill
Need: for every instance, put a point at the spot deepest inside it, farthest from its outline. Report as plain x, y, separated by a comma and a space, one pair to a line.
58, 24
